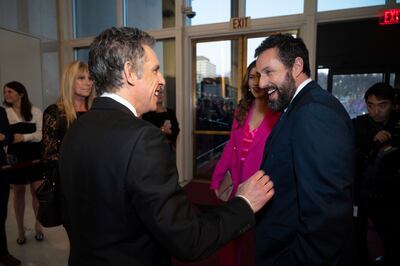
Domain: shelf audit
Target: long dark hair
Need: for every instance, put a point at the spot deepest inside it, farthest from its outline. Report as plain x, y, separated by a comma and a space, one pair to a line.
26, 105
248, 97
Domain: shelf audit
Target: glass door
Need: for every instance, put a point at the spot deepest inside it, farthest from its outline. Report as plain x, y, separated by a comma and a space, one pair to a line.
218, 71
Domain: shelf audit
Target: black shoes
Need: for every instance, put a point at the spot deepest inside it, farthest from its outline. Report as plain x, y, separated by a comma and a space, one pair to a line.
9, 260
39, 237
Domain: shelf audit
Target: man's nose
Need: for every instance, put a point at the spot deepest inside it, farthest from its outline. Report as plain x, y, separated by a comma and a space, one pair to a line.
161, 79
262, 82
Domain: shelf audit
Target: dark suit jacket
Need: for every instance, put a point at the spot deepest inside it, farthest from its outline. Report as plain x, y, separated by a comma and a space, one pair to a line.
6, 130
309, 157
122, 201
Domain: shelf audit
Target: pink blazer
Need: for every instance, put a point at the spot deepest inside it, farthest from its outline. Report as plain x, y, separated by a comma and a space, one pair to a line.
230, 158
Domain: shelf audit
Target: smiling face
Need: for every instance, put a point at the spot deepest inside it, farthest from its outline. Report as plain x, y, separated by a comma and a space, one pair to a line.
275, 79
150, 84
83, 85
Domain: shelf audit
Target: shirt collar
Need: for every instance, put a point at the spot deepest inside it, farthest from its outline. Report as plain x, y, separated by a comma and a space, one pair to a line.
121, 100
299, 88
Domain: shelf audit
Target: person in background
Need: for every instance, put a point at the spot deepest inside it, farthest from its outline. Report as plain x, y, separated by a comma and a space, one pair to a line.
76, 97
242, 155
122, 201
377, 138
165, 119
26, 124
309, 156
6, 137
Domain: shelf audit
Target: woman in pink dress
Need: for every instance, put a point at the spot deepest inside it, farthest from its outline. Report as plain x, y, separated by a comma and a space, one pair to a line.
251, 127
242, 157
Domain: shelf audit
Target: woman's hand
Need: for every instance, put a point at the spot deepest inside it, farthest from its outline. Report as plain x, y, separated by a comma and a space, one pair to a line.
18, 138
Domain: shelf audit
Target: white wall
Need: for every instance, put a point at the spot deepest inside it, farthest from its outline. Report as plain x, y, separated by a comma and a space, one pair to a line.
20, 60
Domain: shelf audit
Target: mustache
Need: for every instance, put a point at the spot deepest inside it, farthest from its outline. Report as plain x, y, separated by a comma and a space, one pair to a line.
269, 89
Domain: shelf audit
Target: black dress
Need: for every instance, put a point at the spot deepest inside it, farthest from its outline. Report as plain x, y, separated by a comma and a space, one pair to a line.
158, 120
25, 152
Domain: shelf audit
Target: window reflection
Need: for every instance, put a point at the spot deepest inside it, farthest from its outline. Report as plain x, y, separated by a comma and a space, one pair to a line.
216, 86
82, 54
208, 150
210, 11
350, 90
150, 14
93, 16
328, 5
273, 8
165, 50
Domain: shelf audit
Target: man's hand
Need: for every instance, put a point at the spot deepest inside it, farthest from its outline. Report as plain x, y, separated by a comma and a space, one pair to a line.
2, 137
258, 190
382, 136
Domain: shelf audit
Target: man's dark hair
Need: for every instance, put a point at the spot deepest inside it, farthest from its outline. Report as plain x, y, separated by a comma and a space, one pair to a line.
111, 50
288, 48
381, 91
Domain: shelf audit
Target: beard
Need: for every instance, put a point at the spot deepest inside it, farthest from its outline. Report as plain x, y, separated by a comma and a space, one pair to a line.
285, 92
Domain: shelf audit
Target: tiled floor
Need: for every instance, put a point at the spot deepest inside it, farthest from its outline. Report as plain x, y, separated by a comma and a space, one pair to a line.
52, 251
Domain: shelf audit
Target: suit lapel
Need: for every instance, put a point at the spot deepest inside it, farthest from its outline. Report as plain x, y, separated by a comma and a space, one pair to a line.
284, 116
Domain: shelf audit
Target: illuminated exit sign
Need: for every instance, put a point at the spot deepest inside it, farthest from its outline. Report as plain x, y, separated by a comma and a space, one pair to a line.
390, 17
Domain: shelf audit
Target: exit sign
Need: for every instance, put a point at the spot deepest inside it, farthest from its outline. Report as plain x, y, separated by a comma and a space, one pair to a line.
390, 17
240, 23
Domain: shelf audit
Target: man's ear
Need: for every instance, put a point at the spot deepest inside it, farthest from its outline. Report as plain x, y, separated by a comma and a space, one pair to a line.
298, 66
129, 73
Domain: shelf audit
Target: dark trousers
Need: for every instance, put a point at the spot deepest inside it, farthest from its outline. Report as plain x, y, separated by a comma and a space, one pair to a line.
383, 212
4, 193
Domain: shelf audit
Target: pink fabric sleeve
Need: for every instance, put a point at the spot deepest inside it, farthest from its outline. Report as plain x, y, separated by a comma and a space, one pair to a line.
224, 162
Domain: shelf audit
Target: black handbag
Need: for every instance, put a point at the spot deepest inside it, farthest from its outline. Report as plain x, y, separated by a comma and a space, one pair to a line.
48, 195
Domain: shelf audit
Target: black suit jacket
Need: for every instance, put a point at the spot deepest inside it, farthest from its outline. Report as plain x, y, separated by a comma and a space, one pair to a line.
6, 131
122, 201
309, 157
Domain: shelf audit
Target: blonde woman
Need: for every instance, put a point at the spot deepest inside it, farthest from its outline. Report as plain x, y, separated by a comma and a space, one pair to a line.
76, 97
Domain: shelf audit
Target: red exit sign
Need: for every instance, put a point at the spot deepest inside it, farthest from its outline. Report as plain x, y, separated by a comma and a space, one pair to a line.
390, 17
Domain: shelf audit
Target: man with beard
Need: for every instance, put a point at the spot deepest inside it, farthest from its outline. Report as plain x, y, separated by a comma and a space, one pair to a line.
309, 157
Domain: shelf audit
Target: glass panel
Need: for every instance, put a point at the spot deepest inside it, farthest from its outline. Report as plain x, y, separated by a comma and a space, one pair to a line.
82, 54
208, 151
150, 14
165, 50
392, 78
322, 77
50, 78
215, 98
93, 16
204, 14
328, 5
216, 84
273, 8
350, 90
252, 44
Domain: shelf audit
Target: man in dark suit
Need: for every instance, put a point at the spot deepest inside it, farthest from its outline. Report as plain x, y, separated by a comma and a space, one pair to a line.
122, 202
309, 157
6, 137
